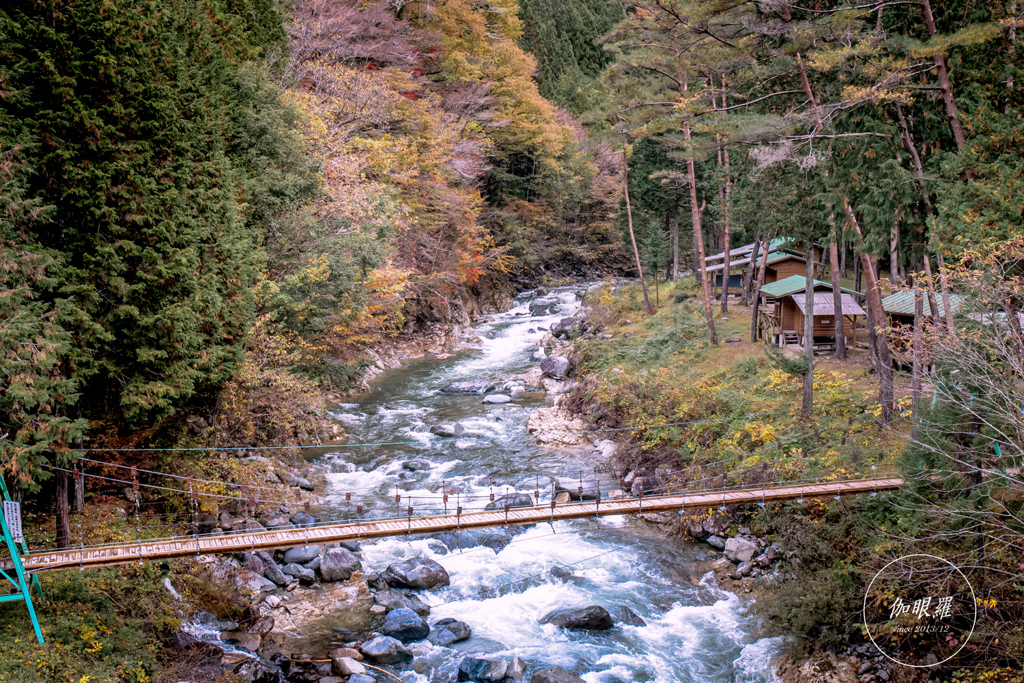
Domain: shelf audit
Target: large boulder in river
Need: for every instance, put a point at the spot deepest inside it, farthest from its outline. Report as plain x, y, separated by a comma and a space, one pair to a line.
472, 386
405, 625
418, 573
495, 539
497, 398
590, 618
271, 570
386, 650
554, 674
449, 631
302, 554
539, 308
448, 429
339, 564
482, 670
555, 366
513, 500
740, 549
624, 615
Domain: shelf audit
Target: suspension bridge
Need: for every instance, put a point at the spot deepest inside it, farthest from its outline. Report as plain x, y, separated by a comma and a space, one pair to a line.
158, 549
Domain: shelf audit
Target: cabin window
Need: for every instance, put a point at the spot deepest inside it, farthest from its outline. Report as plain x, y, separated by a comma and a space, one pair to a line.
826, 321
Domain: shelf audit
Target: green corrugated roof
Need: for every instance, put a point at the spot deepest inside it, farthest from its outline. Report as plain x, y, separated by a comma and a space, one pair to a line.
777, 256
902, 303
794, 284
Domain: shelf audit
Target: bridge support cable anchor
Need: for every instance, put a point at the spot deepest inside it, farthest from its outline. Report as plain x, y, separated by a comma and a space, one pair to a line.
80, 497
20, 581
138, 508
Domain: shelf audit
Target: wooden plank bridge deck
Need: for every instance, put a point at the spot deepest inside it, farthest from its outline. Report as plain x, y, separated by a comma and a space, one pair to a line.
100, 556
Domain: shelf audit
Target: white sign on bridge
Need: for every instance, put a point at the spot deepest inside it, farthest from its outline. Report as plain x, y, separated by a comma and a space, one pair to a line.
12, 513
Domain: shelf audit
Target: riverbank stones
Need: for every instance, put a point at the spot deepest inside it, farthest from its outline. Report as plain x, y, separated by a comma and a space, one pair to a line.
418, 573
405, 625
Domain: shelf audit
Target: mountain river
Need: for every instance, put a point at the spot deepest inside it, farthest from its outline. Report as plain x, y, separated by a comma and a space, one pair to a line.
694, 633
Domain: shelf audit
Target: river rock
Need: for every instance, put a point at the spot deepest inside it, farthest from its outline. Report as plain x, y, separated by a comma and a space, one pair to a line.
385, 650
555, 366
259, 671
513, 500
740, 549
417, 573
302, 554
561, 327
541, 308
495, 539
743, 569
346, 652
211, 621
497, 398
449, 631
405, 625
306, 576
648, 486
590, 487
448, 429
302, 518
624, 615
263, 626
590, 618
338, 564
234, 658
346, 666
516, 669
767, 557
716, 542
394, 600
482, 670
555, 427
554, 674
415, 465
717, 525
362, 678
276, 522
473, 386
250, 642
271, 570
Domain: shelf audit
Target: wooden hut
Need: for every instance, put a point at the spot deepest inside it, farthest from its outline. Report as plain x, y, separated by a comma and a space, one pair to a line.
899, 306
783, 308
785, 258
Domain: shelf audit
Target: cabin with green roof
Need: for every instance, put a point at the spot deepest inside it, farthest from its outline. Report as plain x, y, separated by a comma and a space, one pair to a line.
783, 309
899, 306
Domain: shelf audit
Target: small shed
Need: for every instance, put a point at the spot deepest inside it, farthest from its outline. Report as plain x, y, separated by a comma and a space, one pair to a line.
783, 310
899, 306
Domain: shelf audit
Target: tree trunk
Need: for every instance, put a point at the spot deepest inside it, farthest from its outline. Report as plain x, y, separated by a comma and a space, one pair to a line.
894, 254
930, 281
757, 292
63, 516
947, 89
748, 277
808, 403
856, 274
947, 304
842, 257
675, 242
915, 391
698, 241
727, 233
885, 381
837, 300
632, 237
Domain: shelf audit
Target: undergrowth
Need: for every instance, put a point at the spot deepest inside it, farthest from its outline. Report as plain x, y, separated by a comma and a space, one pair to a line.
117, 624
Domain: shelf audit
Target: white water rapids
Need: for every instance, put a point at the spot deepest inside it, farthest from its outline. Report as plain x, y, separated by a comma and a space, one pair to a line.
694, 633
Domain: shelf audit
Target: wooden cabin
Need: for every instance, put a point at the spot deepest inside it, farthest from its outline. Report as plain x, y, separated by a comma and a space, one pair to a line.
899, 306
785, 258
783, 309
785, 263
